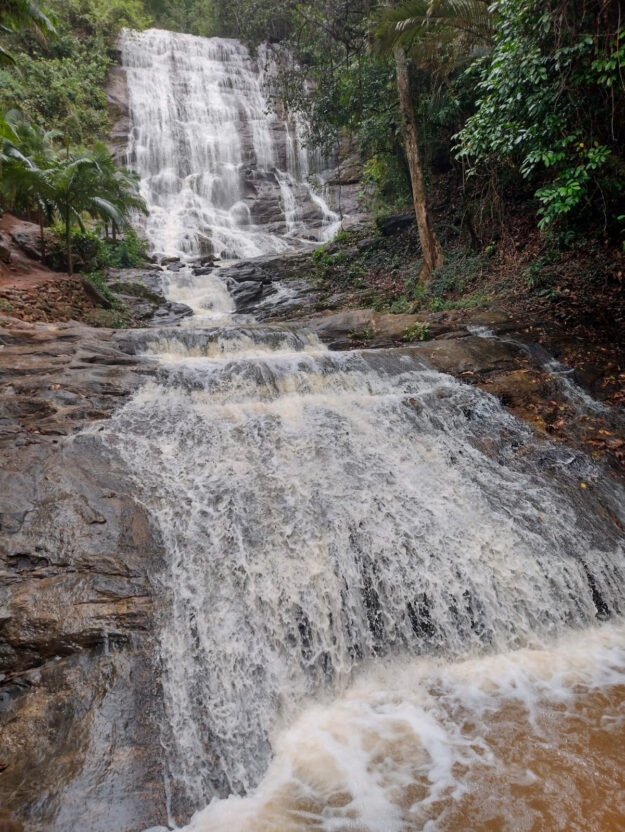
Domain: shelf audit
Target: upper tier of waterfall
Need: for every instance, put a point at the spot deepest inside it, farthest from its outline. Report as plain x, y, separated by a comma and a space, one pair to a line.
220, 172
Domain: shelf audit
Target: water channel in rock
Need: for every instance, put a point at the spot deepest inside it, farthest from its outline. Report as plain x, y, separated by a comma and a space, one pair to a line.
388, 606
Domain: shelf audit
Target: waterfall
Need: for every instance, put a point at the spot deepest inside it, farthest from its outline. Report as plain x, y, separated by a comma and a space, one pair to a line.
386, 604
324, 512
221, 174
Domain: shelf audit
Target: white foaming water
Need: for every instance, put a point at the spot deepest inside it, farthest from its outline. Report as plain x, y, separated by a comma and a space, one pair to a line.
419, 745
382, 593
206, 295
219, 171
323, 512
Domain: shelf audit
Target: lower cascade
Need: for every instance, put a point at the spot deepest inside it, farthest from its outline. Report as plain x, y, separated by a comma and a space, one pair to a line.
362, 552
387, 606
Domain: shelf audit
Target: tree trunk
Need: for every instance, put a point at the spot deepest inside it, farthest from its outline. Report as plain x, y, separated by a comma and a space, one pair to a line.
42, 235
431, 248
68, 243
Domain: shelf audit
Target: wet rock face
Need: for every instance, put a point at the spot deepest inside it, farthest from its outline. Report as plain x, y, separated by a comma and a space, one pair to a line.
55, 378
119, 111
79, 700
142, 293
257, 286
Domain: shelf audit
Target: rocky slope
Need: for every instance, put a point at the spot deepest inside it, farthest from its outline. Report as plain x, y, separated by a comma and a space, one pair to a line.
78, 702
79, 693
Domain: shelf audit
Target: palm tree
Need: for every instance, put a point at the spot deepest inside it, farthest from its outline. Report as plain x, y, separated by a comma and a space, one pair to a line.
435, 31
70, 185
31, 151
28, 187
17, 15
120, 184
85, 184
427, 28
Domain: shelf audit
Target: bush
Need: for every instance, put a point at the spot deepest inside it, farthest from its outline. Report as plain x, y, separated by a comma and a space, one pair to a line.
126, 253
549, 99
88, 248
92, 253
62, 85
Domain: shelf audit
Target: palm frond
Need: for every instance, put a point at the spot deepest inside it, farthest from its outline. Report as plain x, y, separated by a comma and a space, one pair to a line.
106, 209
423, 27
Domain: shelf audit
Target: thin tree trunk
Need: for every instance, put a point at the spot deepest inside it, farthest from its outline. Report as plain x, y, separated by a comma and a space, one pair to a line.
42, 235
68, 244
431, 248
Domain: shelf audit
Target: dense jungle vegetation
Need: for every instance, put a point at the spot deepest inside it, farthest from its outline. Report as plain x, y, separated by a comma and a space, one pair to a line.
515, 107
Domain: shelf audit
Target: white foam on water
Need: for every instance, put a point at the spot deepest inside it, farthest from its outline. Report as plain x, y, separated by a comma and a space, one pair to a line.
217, 173
321, 511
381, 591
406, 745
207, 295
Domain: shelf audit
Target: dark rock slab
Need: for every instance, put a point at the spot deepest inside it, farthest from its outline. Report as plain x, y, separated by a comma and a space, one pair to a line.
169, 314
142, 291
79, 698
268, 286
394, 223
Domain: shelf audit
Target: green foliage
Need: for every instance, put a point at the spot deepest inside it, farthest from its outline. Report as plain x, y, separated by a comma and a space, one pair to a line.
129, 252
365, 334
438, 33
23, 15
418, 331
194, 16
68, 184
384, 177
65, 92
329, 45
97, 281
61, 85
93, 253
549, 95
88, 248
102, 18
324, 259
449, 288
564, 193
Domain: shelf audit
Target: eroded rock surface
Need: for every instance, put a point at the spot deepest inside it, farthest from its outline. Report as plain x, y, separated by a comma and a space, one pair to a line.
269, 286
79, 704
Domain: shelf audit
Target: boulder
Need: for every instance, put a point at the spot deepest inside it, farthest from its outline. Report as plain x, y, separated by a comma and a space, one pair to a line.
170, 314
394, 223
28, 240
5, 252
369, 244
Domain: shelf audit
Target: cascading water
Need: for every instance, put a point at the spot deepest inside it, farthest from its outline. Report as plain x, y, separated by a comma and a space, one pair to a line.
324, 510
220, 173
385, 602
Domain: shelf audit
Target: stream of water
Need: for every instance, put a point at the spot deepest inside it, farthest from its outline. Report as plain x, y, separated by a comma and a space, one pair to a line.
387, 605
220, 172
